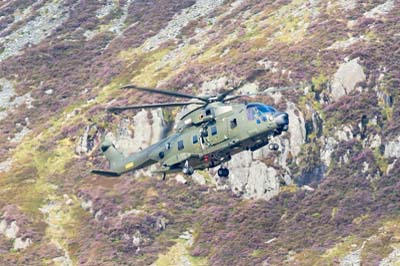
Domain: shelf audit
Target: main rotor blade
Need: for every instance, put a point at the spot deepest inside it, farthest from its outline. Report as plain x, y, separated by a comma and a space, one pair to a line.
166, 92
222, 96
193, 110
272, 90
142, 106
266, 92
234, 97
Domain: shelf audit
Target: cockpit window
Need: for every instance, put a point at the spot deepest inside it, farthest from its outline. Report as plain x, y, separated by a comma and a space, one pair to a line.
258, 110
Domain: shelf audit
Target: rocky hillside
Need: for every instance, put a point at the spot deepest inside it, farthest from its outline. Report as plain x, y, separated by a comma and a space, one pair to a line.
329, 196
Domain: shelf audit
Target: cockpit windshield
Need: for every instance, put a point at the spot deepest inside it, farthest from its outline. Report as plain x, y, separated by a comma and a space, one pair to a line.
258, 110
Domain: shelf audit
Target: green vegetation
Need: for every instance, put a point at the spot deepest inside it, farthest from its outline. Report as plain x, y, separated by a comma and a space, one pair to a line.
178, 255
138, 221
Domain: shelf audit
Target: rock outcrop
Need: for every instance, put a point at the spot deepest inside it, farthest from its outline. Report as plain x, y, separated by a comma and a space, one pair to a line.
346, 78
297, 129
89, 140
199, 9
352, 259
146, 128
11, 230
250, 178
51, 16
392, 148
348, 5
117, 25
5, 165
392, 259
380, 10
9, 100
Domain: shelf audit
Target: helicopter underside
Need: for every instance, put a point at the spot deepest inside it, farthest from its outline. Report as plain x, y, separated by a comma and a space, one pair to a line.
219, 156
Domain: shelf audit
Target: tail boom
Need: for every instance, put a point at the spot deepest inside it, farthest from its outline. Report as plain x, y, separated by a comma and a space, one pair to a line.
119, 164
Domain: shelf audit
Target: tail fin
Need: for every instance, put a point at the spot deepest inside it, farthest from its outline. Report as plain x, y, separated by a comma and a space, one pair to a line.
115, 158
120, 164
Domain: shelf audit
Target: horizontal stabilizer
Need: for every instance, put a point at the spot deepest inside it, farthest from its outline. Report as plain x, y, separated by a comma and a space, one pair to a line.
105, 173
166, 171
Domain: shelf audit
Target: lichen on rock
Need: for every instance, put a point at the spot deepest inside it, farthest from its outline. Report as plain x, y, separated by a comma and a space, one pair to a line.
380, 10
346, 78
51, 16
8, 99
198, 9
252, 179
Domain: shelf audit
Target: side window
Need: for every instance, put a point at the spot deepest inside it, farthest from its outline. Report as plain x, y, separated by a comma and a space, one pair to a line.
233, 123
167, 146
214, 130
195, 139
250, 113
180, 145
209, 111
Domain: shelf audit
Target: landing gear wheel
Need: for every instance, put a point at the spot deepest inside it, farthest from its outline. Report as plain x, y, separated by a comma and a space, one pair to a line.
220, 172
223, 172
188, 171
191, 170
273, 147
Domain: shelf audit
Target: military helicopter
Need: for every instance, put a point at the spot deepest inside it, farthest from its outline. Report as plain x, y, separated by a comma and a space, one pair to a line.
209, 131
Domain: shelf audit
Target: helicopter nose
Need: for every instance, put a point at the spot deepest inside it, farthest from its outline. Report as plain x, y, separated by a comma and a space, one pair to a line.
282, 120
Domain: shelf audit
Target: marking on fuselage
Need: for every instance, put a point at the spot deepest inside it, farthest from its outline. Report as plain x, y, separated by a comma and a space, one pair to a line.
129, 165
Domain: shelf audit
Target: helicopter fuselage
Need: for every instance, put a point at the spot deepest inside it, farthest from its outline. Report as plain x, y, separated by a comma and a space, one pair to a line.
205, 139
